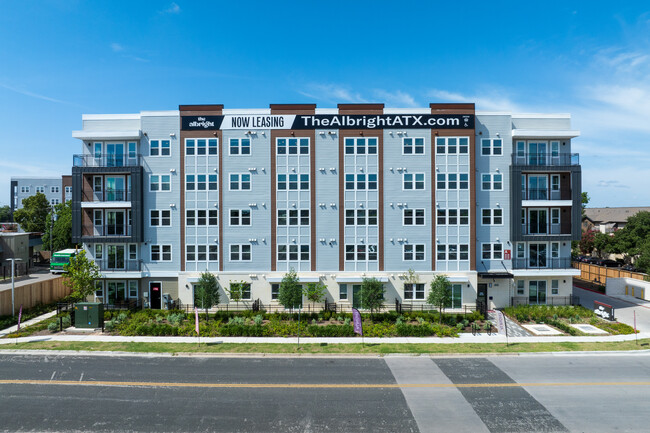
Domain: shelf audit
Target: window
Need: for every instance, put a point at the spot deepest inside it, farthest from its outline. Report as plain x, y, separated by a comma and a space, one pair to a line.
201, 182
160, 218
240, 217
240, 146
413, 217
54, 190
492, 217
555, 287
452, 145
413, 181
240, 181
343, 292
161, 253
293, 252
198, 146
555, 182
201, 217
413, 146
555, 250
159, 148
456, 300
293, 146
453, 181
40, 189
133, 288
521, 287
295, 182
491, 146
453, 252
99, 289
240, 253
413, 252
361, 217
275, 291
201, 253
492, 182
160, 182
452, 217
68, 189
133, 252
413, 291
361, 252
55, 201
555, 216
492, 251
363, 182
521, 250
24, 189
99, 251
361, 146
293, 217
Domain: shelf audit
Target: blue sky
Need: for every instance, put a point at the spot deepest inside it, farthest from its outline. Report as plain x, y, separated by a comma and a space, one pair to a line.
61, 59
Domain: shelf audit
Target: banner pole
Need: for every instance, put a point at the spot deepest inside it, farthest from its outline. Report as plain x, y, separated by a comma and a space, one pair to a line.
636, 336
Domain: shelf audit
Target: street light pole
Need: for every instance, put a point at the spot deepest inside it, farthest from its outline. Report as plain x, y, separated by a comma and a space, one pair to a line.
13, 266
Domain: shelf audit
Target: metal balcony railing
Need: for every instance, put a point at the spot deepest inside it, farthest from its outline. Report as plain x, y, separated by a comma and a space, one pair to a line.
119, 264
107, 195
542, 230
106, 160
107, 230
542, 262
545, 158
540, 194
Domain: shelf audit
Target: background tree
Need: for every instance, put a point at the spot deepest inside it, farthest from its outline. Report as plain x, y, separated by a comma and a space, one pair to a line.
290, 292
315, 292
81, 275
33, 215
61, 229
372, 295
206, 292
440, 293
602, 244
236, 291
585, 201
5, 214
586, 244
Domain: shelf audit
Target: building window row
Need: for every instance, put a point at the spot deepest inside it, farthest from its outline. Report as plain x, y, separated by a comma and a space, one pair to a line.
293, 252
240, 182
452, 181
453, 252
240, 253
161, 253
201, 217
293, 146
201, 146
360, 217
160, 182
158, 218
413, 181
240, 217
240, 146
159, 148
361, 146
201, 253
361, 182
452, 217
452, 145
491, 146
492, 217
413, 252
361, 252
492, 251
201, 182
492, 182
413, 217
413, 146
293, 217
293, 182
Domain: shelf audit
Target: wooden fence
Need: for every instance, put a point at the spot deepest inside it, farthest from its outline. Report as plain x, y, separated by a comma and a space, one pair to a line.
599, 274
29, 295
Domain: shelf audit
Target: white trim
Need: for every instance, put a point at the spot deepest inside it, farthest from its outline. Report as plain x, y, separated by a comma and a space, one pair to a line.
105, 204
327, 111
135, 134
163, 113
235, 111
420, 110
275, 280
540, 133
358, 279
545, 272
131, 116
458, 279
543, 203
160, 274
541, 116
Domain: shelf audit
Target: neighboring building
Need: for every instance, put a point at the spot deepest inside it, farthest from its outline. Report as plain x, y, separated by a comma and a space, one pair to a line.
609, 219
56, 189
492, 200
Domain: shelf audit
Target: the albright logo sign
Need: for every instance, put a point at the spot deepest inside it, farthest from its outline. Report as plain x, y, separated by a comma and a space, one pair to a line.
329, 121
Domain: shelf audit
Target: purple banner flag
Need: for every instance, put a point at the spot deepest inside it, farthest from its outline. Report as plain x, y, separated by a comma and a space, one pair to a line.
501, 322
20, 315
356, 319
196, 320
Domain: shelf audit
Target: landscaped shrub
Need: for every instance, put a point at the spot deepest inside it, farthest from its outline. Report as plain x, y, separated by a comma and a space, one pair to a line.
53, 327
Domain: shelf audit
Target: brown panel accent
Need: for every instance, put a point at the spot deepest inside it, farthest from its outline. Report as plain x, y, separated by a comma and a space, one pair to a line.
565, 220
361, 108
198, 110
66, 180
87, 187
459, 109
311, 134
201, 109
292, 108
452, 109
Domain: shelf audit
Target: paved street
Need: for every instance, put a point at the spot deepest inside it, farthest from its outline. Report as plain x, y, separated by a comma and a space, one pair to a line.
549, 392
624, 310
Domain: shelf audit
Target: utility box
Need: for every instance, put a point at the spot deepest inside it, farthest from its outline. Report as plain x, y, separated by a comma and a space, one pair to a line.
89, 315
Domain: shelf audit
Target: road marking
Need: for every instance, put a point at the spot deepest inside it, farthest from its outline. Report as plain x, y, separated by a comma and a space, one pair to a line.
52, 378
313, 385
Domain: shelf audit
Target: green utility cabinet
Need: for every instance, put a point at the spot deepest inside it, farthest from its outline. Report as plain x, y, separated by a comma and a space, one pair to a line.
89, 315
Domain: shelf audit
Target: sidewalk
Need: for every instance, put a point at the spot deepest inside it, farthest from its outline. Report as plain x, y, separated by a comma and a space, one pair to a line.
29, 322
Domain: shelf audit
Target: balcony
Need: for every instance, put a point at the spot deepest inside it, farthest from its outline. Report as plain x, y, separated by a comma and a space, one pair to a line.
544, 230
541, 262
541, 194
545, 158
117, 264
113, 230
106, 160
107, 195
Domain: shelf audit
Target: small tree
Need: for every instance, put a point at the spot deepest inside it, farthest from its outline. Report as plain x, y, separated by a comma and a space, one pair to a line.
290, 292
32, 217
80, 276
206, 292
5, 214
372, 294
61, 229
315, 292
236, 291
440, 293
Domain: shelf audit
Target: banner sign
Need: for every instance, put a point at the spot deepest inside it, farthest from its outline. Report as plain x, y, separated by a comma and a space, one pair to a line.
356, 320
501, 322
20, 315
603, 310
196, 320
328, 121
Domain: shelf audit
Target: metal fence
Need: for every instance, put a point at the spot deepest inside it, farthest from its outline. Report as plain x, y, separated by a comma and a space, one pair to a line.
106, 160
545, 158
550, 300
541, 263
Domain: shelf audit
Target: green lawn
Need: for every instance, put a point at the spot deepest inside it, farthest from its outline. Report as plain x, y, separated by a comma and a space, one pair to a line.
324, 348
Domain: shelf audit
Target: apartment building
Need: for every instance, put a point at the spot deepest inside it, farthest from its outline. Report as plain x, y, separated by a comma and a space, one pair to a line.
56, 189
491, 200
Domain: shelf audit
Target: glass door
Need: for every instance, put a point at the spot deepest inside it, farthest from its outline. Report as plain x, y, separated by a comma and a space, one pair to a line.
356, 296
537, 292
116, 292
537, 255
115, 188
555, 152
537, 187
537, 153
115, 223
537, 221
115, 154
115, 257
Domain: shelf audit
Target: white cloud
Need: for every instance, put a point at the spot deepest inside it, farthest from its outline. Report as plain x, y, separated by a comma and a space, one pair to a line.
116, 47
332, 93
32, 94
490, 101
395, 99
173, 9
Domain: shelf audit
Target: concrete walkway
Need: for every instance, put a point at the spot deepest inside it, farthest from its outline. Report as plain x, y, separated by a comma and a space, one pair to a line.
27, 323
514, 330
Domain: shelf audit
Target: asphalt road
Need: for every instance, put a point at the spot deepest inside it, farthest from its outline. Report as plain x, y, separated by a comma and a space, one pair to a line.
623, 310
533, 393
